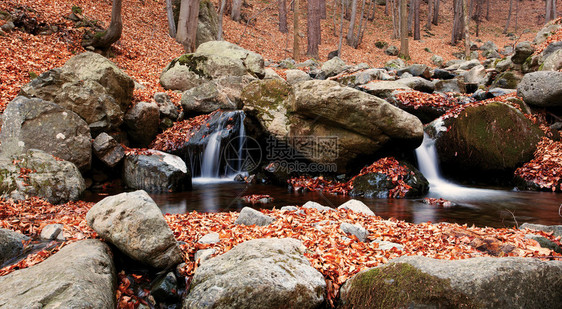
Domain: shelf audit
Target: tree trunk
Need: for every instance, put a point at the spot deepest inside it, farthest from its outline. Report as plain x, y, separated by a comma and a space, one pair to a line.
457, 33
386, 5
487, 9
508, 16
357, 39
477, 16
283, 16
187, 24
466, 29
372, 9
336, 3
404, 50
516, 14
349, 36
429, 14
171, 21
411, 16
296, 51
104, 40
236, 7
221, 14
395, 19
341, 28
417, 20
550, 10
322, 4
435, 20
313, 28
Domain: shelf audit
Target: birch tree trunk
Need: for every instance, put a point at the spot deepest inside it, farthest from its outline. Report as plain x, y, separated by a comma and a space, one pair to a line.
221, 14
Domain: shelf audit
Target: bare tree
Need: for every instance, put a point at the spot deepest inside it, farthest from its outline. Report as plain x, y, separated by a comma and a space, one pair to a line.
516, 13
187, 24
341, 28
349, 36
487, 9
429, 14
356, 40
103, 40
371, 10
283, 16
313, 28
221, 14
395, 18
417, 20
410, 16
457, 31
508, 16
466, 29
296, 51
236, 7
404, 50
550, 10
435, 20
171, 21
322, 5
477, 14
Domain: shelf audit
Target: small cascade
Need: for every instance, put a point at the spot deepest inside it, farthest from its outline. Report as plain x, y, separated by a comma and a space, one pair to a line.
215, 151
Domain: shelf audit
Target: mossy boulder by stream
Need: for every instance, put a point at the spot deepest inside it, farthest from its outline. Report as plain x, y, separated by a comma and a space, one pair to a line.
485, 142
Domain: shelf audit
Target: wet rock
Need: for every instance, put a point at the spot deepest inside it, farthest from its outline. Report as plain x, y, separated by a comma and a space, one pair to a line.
250, 216
135, 225
80, 275
333, 67
165, 287
35, 123
95, 67
491, 139
108, 150
142, 123
36, 173
484, 282
11, 245
260, 273
53, 232
542, 89
356, 230
317, 206
357, 206
156, 171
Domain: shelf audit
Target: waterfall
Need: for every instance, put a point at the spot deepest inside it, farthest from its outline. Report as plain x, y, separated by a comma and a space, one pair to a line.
428, 161
211, 157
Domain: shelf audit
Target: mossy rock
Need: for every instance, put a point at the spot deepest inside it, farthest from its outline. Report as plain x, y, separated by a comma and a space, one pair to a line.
486, 140
507, 80
400, 285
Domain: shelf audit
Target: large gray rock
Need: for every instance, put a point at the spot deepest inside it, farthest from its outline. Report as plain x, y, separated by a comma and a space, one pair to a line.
484, 282
421, 70
476, 75
362, 77
553, 62
296, 76
207, 23
356, 230
250, 216
545, 32
142, 122
224, 93
36, 173
166, 107
522, 51
417, 83
80, 275
11, 245
35, 123
135, 225
556, 230
384, 89
95, 67
87, 98
358, 207
333, 67
260, 273
108, 150
156, 171
317, 206
542, 89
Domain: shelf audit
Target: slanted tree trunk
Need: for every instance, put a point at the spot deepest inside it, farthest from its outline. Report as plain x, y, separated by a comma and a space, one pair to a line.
221, 14
296, 51
171, 21
508, 16
417, 20
236, 8
187, 24
313, 28
429, 14
349, 36
404, 50
283, 16
435, 19
103, 40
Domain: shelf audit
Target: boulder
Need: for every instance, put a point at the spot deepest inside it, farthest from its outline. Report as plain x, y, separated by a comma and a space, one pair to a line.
362, 77
492, 139
142, 122
224, 93
296, 76
36, 173
394, 64
542, 89
156, 171
211, 238
504, 65
381, 185
356, 230
545, 32
135, 225
165, 106
437, 60
203, 255
545, 242
207, 23
250, 216
391, 50
467, 65
108, 150
420, 70
164, 288
522, 51
95, 67
484, 282
87, 98
35, 123
383, 89
11, 245
259, 273
449, 85
357, 206
387, 245
417, 83
268, 103
333, 67
442, 74
553, 62
476, 75
556, 230
317, 206
184, 73
507, 80
80, 275
52, 232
